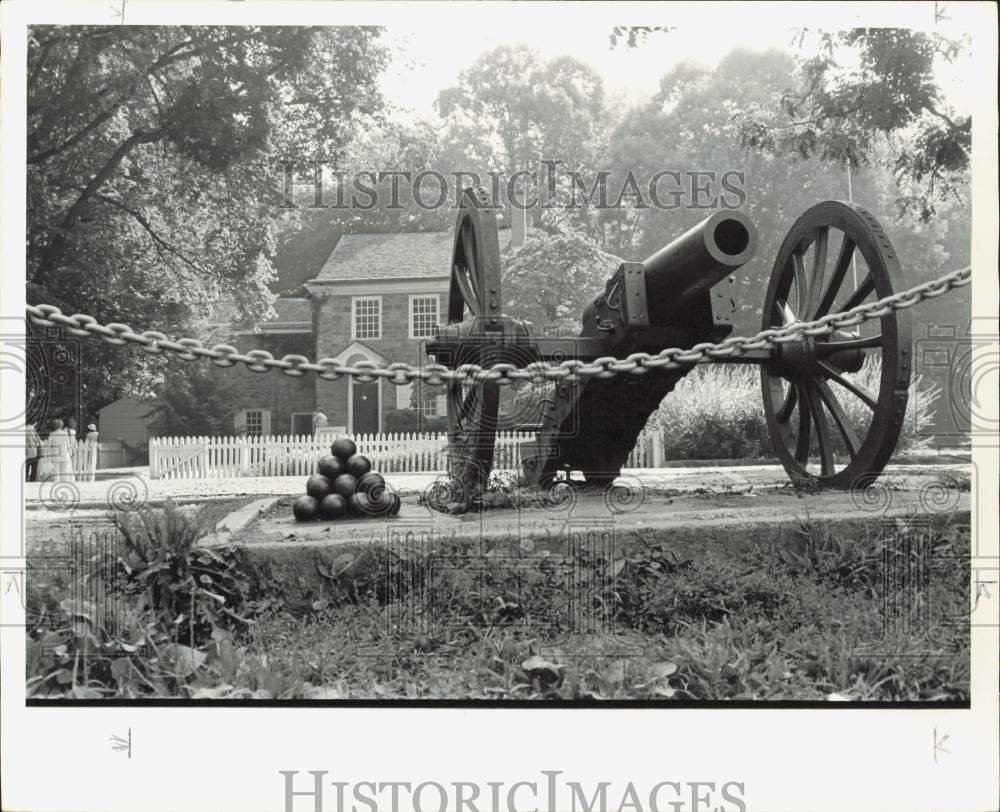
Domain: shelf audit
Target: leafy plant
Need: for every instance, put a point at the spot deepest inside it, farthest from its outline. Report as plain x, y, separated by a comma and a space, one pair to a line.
189, 588
716, 412
92, 649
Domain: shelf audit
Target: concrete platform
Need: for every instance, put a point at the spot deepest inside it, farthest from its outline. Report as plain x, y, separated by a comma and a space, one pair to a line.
700, 477
689, 510
304, 559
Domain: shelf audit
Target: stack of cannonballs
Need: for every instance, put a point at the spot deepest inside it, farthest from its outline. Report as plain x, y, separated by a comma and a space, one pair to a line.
345, 485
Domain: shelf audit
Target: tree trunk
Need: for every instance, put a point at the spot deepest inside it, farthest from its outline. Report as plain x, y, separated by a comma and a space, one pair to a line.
53, 251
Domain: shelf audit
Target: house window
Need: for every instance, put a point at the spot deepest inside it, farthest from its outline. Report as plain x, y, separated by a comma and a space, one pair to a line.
436, 406
367, 317
423, 316
255, 422
403, 395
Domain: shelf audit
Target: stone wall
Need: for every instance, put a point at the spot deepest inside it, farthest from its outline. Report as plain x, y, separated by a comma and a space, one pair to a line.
332, 318
279, 394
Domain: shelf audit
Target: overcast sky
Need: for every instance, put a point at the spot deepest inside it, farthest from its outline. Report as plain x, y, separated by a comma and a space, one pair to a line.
434, 54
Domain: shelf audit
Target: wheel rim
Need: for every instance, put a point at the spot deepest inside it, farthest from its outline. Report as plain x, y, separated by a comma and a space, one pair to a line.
835, 404
474, 295
475, 264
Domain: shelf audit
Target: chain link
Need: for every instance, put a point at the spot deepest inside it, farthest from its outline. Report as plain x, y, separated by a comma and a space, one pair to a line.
569, 371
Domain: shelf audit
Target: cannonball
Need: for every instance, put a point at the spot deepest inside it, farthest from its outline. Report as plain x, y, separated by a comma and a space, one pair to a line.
345, 485
333, 506
305, 509
372, 483
330, 466
361, 505
344, 448
395, 503
357, 465
318, 486
378, 502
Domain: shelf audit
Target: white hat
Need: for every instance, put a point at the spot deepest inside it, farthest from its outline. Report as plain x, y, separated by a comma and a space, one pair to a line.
91, 427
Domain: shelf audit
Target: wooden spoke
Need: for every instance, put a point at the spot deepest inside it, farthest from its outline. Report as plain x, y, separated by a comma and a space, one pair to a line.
866, 343
462, 279
801, 283
802, 446
840, 418
784, 414
784, 312
822, 429
464, 401
866, 397
473, 406
824, 370
836, 278
469, 250
818, 270
864, 289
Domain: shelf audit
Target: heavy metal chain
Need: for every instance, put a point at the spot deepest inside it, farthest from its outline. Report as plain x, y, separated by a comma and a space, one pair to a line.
569, 371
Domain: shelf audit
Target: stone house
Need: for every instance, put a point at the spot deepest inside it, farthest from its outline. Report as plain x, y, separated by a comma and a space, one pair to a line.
378, 298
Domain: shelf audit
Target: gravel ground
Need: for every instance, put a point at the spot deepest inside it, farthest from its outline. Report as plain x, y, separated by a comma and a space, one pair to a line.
131, 489
54, 511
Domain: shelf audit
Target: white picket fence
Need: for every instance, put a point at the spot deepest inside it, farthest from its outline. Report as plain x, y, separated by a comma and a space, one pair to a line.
390, 453
83, 456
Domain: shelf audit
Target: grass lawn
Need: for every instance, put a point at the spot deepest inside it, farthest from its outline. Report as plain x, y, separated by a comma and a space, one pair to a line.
762, 626
810, 623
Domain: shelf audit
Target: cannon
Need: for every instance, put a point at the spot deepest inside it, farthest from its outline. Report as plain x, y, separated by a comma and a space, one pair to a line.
834, 403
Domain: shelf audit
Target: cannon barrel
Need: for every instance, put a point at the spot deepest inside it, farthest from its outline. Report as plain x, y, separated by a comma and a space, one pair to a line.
698, 259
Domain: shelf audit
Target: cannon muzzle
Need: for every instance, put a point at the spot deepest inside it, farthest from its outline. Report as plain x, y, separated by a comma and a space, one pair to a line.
697, 260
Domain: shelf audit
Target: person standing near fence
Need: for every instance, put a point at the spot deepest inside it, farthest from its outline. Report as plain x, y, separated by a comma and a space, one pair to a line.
91, 436
32, 451
319, 421
61, 441
72, 432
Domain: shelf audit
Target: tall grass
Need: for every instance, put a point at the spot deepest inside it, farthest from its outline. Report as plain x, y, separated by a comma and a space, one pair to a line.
717, 412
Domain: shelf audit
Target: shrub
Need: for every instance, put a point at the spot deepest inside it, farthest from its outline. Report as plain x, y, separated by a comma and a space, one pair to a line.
146, 623
716, 412
410, 420
190, 589
81, 653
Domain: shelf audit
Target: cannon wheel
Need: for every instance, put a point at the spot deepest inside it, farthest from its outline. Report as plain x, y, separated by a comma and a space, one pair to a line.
473, 301
835, 404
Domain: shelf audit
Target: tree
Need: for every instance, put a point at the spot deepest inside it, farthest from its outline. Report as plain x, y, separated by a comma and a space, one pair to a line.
306, 234
700, 119
690, 125
190, 402
510, 110
550, 279
633, 35
840, 111
151, 152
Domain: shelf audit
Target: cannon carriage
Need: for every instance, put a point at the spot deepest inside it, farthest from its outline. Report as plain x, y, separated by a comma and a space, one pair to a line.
828, 428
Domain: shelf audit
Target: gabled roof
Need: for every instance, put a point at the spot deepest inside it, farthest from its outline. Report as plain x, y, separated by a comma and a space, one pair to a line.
425, 255
292, 310
291, 316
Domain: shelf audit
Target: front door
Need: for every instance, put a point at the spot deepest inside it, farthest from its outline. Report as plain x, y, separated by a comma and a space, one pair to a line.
302, 423
364, 407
